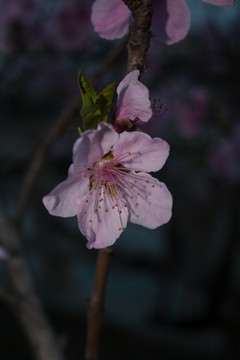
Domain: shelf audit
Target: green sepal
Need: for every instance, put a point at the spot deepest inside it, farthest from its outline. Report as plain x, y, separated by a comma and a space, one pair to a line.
80, 131
95, 108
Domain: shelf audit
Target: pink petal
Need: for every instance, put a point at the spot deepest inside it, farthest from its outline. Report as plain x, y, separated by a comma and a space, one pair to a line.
63, 199
220, 2
101, 224
138, 151
92, 145
110, 18
133, 99
171, 20
152, 207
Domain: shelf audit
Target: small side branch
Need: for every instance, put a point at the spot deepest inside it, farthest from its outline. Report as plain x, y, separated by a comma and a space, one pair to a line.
95, 304
139, 40
23, 298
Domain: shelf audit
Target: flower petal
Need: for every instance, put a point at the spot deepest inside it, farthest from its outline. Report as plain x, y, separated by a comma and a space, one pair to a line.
110, 18
101, 224
139, 152
171, 20
152, 206
133, 99
63, 199
220, 2
93, 145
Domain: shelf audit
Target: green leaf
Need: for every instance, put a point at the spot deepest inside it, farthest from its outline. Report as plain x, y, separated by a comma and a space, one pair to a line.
105, 101
95, 108
80, 131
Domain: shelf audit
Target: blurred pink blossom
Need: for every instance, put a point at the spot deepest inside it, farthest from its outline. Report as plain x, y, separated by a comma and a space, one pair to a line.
69, 28
170, 23
225, 157
108, 184
192, 114
3, 254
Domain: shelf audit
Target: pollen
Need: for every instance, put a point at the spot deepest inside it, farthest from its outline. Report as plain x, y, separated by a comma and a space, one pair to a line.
129, 153
99, 207
86, 201
138, 193
136, 204
128, 216
106, 210
84, 212
113, 207
119, 229
153, 186
135, 182
90, 221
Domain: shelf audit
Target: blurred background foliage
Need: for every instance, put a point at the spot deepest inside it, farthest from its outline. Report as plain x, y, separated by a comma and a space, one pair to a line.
174, 292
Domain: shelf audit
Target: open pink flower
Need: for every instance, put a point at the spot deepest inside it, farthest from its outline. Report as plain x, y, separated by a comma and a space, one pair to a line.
133, 104
170, 23
107, 184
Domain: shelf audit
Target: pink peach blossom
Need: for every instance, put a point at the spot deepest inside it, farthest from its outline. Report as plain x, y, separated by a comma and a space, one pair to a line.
171, 18
108, 184
133, 104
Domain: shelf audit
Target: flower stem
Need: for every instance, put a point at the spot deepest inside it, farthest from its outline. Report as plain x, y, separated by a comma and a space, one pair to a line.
95, 304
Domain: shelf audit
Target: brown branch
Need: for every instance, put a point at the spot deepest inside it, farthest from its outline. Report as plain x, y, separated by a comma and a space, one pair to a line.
57, 129
139, 40
95, 304
24, 300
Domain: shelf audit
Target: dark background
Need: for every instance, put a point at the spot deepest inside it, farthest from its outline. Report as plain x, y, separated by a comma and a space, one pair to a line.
174, 292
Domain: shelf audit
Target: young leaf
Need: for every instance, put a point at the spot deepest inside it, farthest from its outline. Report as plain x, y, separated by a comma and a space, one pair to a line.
105, 101
95, 108
90, 111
